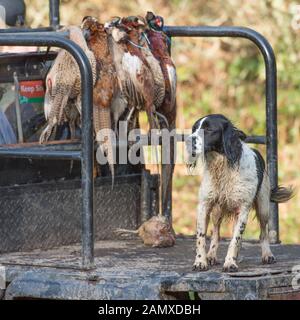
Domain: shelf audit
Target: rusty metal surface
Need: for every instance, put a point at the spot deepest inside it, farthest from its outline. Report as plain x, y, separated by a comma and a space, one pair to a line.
128, 269
45, 215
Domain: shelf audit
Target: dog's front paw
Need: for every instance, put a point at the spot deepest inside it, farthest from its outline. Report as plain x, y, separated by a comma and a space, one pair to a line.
200, 266
268, 259
230, 266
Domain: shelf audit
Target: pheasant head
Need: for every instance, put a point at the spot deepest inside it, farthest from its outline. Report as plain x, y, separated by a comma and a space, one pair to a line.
116, 29
134, 27
133, 22
92, 26
155, 22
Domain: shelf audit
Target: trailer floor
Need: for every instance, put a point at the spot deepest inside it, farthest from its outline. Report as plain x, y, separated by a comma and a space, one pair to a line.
129, 270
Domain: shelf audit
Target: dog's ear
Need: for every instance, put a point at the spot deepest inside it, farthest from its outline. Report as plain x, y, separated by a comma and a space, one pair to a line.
232, 145
242, 135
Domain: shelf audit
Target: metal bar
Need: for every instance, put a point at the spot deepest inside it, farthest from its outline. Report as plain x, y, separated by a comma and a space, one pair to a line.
18, 109
271, 97
61, 145
24, 30
5, 57
145, 197
76, 145
54, 18
256, 139
39, 37
54, 40
182, 137
35, 153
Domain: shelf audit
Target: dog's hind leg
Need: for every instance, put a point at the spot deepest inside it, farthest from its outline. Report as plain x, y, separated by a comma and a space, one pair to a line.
215, 237
230, 264
262, 207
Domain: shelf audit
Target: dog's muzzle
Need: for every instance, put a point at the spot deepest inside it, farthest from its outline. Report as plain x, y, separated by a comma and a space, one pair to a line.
194, 147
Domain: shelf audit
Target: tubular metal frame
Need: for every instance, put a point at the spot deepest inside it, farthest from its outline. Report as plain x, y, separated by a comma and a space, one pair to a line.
53, 39
54, 17
271, 98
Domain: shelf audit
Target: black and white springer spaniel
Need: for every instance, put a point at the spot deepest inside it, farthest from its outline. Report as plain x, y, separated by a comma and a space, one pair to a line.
234, 181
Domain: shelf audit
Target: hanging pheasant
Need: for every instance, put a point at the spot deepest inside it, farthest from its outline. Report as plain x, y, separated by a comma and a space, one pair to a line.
106, 86
130, 42
158, 77
135, 76
159, 44
63, 85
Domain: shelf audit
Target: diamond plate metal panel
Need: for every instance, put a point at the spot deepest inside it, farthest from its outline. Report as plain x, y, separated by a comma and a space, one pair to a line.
47, 215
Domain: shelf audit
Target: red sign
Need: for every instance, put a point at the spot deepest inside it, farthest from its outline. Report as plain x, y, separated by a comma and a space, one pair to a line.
32, 89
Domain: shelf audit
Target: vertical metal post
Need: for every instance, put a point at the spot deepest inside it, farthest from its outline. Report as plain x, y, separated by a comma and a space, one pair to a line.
18, 109
87, 178
54, 18
271, 137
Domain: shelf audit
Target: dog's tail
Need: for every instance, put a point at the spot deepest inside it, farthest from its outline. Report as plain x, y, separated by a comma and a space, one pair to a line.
282, 194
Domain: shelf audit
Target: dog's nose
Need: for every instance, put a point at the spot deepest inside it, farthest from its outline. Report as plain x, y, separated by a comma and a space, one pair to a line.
191, 145
194, 143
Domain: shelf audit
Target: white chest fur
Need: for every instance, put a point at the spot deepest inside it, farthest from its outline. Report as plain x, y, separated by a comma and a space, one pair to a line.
229, 187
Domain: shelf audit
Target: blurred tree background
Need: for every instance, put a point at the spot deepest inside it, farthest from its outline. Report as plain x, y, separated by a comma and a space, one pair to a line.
220, 76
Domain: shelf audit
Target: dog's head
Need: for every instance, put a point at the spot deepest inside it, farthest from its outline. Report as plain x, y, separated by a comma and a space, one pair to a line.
215, 133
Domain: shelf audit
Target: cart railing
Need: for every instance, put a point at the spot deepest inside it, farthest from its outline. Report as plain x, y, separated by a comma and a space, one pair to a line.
86, 155
270, 92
